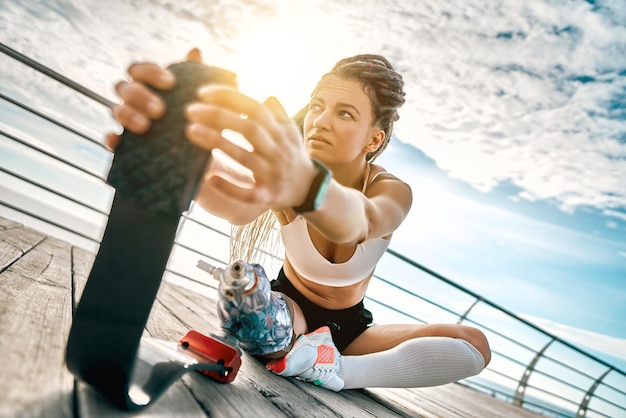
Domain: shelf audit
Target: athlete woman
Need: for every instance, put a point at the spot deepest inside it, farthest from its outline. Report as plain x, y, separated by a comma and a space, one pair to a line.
337, 212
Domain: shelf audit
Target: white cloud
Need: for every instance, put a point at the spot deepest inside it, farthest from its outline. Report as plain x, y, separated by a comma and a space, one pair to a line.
518, 92
612, 346
500, 95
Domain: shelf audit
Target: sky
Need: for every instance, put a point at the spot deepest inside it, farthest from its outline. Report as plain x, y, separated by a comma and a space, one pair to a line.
513, 136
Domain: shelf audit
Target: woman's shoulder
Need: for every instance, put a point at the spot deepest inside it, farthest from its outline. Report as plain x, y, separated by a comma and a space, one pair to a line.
379, 173
383, 182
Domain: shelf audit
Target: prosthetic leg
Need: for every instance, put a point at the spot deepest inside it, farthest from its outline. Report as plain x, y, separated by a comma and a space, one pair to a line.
248, 309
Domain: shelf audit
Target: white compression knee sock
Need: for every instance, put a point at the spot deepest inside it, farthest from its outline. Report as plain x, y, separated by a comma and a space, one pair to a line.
420, 362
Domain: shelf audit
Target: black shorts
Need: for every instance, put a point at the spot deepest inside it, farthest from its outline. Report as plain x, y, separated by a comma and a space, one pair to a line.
345, 324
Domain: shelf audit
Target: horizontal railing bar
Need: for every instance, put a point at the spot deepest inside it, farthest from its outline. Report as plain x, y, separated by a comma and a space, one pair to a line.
493, 391
621, 407
394, 309
52, 120
573, 369
190, 218
188, 248
501, 374
619, 391
55, 75
569, 401
49, 154
416, 295
517, 362
51, 222
56, 192
545, 391
263, 252
191, 279
510, 397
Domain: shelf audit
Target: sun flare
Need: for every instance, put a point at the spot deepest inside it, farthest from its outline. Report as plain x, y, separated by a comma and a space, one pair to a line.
270, 62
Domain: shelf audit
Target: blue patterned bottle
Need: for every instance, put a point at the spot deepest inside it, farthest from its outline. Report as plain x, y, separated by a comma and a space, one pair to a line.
249, 310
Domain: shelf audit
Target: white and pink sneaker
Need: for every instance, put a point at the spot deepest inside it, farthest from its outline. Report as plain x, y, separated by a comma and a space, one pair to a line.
313, 358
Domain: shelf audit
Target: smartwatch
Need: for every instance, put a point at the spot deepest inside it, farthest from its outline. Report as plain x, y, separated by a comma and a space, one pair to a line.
318, 190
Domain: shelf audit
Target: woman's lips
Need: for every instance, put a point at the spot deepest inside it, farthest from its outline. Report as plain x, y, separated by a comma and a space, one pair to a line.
319, 138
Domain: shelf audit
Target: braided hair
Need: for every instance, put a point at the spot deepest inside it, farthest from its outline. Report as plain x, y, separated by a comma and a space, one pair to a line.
381, 83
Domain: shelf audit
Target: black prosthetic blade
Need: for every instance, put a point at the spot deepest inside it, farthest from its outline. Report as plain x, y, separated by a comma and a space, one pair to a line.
155, 176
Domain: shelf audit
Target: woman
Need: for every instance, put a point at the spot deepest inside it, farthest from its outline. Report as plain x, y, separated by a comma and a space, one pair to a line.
337, 212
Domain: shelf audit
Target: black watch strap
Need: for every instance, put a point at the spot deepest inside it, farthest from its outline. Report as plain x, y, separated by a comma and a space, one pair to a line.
155, 176
318, 189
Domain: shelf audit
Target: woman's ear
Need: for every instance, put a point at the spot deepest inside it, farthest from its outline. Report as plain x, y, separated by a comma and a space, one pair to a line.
376, 140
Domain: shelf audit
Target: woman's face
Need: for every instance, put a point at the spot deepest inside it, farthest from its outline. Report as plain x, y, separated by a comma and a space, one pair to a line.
338, 124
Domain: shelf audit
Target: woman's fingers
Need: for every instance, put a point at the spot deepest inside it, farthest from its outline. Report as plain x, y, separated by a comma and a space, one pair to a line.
218, 119
209, 138
141, 98
277, 155
152, 75
276, 109
194, 55
131, 119
236, 102
266, 126
285, 126
112, 140
140, 106
248, 195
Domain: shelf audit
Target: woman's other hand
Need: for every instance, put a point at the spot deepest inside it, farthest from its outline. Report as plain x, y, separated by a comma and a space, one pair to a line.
282, 171
140, 105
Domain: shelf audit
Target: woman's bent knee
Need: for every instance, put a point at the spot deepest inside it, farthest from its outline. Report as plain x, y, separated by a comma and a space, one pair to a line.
479, 340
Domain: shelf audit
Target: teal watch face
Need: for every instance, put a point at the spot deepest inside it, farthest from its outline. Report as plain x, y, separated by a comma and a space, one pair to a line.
321, 192
318, 190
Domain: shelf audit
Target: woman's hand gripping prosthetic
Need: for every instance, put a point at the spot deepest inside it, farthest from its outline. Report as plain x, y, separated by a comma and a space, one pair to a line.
249, 310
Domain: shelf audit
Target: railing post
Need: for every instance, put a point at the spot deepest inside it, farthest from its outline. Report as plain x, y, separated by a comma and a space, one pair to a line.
464, 316
521, 388
582, 409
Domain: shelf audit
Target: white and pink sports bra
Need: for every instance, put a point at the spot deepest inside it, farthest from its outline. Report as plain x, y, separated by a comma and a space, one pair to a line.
311, 265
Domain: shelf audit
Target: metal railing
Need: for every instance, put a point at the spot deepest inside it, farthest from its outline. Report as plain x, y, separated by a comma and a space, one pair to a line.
530, 367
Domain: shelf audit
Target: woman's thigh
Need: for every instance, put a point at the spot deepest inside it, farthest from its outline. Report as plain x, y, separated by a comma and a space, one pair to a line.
383, 337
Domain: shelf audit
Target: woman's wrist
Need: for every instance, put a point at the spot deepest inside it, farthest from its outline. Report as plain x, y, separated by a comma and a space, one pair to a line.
317, 190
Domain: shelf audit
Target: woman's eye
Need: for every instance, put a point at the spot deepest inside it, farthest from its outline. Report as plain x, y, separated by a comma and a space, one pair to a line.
314, 107
345, 114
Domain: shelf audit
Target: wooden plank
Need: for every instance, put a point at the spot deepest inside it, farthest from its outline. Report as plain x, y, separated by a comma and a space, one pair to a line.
379, 407
15, 240
82, 261
453, 401
8, 224
177, 401
34, 324
8, 255
22, 238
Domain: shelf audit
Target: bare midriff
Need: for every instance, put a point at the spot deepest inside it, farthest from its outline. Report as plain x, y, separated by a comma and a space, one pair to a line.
327, 296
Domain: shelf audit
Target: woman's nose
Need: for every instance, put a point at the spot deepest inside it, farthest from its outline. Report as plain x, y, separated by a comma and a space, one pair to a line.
322, 121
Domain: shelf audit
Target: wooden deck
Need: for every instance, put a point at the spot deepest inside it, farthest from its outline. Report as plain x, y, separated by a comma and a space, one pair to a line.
40, 282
